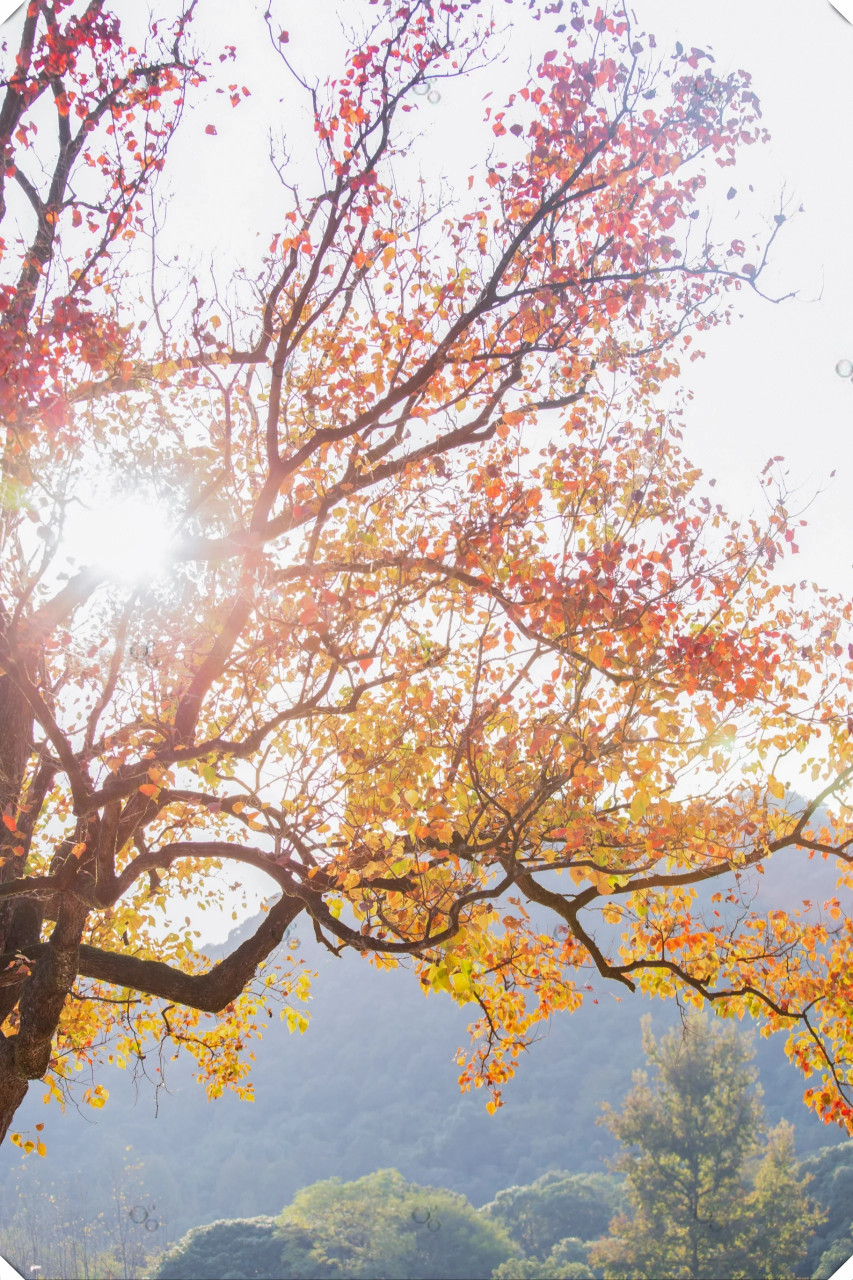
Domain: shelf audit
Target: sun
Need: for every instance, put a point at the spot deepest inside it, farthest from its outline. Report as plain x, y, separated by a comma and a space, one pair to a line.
127, 538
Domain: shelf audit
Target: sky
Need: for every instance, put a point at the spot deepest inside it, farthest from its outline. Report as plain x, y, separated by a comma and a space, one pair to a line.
768, 385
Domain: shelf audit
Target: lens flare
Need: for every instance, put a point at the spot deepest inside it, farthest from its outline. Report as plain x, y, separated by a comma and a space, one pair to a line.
127, 538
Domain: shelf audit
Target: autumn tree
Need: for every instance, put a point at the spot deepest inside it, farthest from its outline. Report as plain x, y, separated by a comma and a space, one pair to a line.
711, 1194
444, 624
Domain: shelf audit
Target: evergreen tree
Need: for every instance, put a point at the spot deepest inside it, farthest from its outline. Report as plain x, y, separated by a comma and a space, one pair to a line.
711, 1194
382, 1226
566, 1261
831, 1174
558, 1205
235, 1249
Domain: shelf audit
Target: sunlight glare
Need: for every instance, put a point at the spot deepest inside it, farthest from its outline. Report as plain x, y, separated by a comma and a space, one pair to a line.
127, 538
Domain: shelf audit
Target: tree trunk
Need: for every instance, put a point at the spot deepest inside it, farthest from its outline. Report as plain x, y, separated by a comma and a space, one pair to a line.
25, 1055
20, 918
13, 1087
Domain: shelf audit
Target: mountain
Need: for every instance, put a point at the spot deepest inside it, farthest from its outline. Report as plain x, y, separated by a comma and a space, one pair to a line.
370, 1085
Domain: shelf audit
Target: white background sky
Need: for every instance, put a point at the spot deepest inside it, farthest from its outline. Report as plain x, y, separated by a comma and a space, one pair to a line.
768, 385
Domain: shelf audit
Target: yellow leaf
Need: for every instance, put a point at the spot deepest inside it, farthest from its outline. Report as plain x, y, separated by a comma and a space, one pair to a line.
639, 805
437, 975
461, 983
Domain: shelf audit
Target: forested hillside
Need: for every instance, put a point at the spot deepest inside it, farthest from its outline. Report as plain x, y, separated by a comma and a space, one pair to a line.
372, 1084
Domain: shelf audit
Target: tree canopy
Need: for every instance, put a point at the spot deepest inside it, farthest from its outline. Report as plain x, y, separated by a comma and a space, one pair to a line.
710, 1197
830, 1174
442, 622
377, 1226
235, 1248
557, 1206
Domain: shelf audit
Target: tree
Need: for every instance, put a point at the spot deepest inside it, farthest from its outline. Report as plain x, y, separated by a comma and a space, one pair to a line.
700, 1210
382, 1225
71, 1227
830, 1174
237, 1248
565, 1261
443, 624
378, 1226
555, 1207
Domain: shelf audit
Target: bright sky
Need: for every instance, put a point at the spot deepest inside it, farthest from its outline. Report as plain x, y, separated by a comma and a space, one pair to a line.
768, 385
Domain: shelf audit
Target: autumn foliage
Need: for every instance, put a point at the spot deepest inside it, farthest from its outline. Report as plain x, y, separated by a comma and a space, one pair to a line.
449, 638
